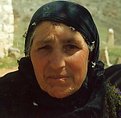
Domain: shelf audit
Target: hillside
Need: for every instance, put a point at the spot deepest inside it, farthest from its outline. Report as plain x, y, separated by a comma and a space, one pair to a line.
106, 13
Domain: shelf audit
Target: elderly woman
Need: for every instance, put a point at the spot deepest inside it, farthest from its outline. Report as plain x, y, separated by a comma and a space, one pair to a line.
60, 75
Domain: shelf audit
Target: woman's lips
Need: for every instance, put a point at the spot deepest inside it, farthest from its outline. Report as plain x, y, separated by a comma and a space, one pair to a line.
57, 80
63, 77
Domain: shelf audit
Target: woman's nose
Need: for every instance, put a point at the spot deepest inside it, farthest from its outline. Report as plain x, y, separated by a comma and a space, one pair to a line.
57, 60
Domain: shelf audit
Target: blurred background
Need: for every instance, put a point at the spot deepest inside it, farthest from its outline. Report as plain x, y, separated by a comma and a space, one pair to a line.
16, 14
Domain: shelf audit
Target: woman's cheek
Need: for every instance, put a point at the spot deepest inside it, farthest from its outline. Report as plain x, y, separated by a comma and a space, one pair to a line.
78, 67
38, 64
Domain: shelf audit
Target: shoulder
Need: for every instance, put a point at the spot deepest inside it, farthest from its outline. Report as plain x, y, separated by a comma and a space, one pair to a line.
8, 84
8, 79
113, 68
7, 87
12, 85
112, 88
14, 93
113, 74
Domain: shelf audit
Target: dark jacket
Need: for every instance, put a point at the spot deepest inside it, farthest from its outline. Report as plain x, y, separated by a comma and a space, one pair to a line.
21, 97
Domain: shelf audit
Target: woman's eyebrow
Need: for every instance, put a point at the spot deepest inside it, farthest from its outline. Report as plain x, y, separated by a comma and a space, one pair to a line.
50, 40
72, 40
45, 41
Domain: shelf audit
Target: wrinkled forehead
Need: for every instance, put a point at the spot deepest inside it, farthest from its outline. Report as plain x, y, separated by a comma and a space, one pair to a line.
50, 30
46, 26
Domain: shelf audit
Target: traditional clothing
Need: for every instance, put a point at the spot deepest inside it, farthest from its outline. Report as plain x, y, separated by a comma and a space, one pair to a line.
21, 96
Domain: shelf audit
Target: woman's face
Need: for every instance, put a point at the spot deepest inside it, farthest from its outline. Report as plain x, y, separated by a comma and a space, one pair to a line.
60, 59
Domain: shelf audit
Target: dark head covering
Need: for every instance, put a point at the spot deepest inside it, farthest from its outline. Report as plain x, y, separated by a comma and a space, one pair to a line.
71, 14
74, 15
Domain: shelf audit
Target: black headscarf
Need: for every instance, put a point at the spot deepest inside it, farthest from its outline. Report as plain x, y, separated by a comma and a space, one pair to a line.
71, 14
74, 15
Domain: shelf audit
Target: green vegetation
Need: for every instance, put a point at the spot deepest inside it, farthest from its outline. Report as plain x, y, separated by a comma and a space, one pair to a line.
114, 53
8, 62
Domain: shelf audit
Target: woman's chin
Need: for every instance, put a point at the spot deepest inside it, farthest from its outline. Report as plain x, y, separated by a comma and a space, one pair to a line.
61, 93
58, 95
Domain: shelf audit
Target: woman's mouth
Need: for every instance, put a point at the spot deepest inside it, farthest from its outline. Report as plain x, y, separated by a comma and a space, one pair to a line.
58, 77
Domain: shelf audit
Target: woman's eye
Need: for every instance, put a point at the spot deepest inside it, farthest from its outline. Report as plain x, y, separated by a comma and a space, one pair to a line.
71, 48
46, 48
